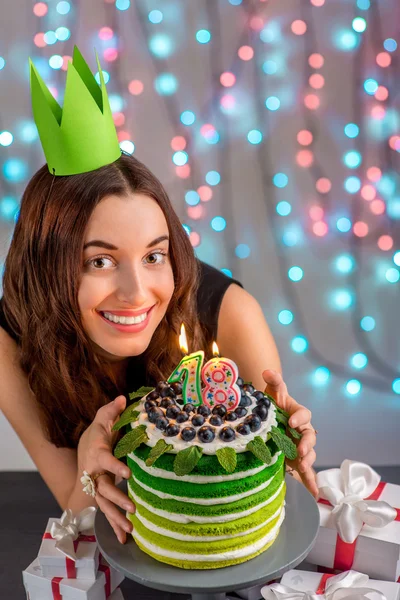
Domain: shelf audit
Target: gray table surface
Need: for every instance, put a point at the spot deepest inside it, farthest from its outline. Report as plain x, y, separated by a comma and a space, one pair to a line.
25, 507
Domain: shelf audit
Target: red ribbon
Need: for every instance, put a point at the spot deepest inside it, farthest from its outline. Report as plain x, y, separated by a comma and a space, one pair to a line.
107, 586
69, 563
55, 588
322, 583
344, 552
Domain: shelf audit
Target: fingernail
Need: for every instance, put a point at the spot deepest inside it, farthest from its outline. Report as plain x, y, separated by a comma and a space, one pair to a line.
129, 507
293, 423
126, 473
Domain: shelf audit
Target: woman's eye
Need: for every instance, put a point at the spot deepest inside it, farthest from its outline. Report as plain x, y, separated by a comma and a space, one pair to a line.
99, 262
156, 258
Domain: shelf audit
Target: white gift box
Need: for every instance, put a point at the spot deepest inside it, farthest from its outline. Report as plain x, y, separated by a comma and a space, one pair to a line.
305, 581
39, 587
55, 563
376, 549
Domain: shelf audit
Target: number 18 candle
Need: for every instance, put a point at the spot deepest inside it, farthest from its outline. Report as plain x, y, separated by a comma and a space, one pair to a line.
219, 376
190, 368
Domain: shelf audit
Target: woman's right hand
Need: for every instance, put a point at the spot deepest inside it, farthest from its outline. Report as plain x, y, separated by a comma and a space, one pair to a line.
95, 455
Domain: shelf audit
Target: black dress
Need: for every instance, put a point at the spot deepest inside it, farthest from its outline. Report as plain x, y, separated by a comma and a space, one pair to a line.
212, 287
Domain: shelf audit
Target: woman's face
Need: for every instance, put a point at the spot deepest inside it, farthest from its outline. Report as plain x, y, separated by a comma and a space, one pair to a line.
127, 280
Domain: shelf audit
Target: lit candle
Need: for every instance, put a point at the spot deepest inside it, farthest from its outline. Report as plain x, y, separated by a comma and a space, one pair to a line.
190, 368
219, 376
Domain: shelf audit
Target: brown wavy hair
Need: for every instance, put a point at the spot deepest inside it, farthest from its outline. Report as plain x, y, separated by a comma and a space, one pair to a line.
41, 281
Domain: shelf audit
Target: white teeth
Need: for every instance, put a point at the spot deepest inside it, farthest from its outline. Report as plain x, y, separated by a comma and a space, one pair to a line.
125, 320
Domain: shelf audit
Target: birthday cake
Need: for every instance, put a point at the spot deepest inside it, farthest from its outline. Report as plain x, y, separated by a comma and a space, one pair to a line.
207, 471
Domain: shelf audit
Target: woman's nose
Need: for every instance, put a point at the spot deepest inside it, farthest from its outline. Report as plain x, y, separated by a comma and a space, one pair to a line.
132, 288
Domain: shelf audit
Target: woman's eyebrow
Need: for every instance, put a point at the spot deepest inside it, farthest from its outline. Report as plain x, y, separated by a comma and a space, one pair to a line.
108, 246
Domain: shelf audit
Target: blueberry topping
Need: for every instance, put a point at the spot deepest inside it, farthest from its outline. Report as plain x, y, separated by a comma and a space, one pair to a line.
182, 416
172, 412
161, 385
150, 404
188, 433
253, 421
261, 411
177, 387
189, 408
243, 429
179, 400
258, 395
166, 402
245, 400
172, 430
167, 391
248, 388
239, 382
154, 413
198, 420
161, 423
153, 395
204, 410
220, 410
215, 420
264, 401
241, 411
227, 434
231, 416
206, 434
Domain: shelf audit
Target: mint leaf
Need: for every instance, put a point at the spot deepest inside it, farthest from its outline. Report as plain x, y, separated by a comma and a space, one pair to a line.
131, 441
186, 460
259, 449
143, 391
284, 443
294, 433
157, 451
281, 418
227, 459
129, 418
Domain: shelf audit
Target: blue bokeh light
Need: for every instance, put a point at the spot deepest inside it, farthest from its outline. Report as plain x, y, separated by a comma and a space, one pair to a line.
393, 208
396, 258
242, 251
56, 61
192, 198
63, 7
270, 67
127, 146
27, 131
213, 178
122, 4
203, 36
346, 40
50, 38
62, 34
155, 16
321, 376
270, 33
272, 103
352, 184
359, 24
342, 299
299, 344
283, 208
8, 208
351, 130
359, 360
353, 387
280, 180
344, 263
15, 170
106, 76
392, 275
117, 102
285, 317
180, 158
396, 386
293, 235
343, 224
161, 45
352, 159
6, 138
363, 4
227, 272
254, 136
367, 323
188, 117
218, 223
2, 63
295, 273
166, 84
390, 45
370, 86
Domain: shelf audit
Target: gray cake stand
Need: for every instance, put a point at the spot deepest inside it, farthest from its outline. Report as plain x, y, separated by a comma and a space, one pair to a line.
295, 540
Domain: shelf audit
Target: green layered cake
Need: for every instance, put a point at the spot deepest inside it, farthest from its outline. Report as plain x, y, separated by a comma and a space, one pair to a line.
208, 484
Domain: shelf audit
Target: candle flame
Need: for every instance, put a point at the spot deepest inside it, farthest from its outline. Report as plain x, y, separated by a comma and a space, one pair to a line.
215, 349
182, 340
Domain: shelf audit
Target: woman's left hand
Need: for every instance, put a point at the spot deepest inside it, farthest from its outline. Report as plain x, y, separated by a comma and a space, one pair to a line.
300, 419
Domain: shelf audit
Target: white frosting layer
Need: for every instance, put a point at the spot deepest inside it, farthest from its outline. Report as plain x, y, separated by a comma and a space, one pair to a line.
163, 474
204, 501
200, 538
180, 518
239, 443
229, 555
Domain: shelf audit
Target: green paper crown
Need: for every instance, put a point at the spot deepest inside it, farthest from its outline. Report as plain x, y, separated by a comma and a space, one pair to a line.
81, 136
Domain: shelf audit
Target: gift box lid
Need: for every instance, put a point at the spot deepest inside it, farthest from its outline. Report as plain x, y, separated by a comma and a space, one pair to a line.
86, 551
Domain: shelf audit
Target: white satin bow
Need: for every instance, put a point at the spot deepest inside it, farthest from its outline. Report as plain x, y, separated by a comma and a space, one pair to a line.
345, 489
349, 585
69, 528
